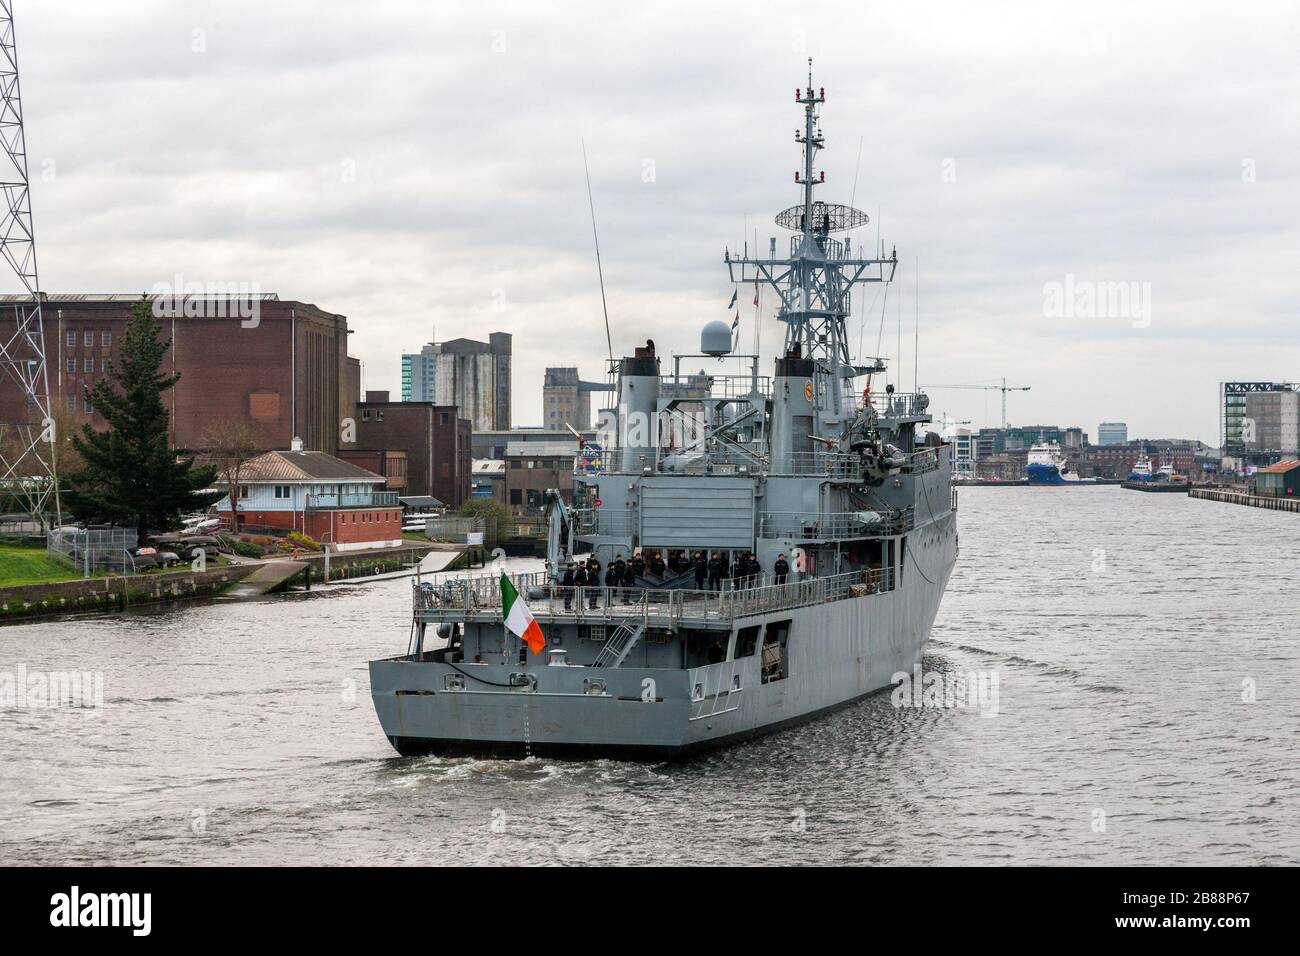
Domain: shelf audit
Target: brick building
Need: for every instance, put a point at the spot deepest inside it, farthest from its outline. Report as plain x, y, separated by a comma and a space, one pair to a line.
531, 468
391, 463
280, 366
324, 497
435, 438
1116, 461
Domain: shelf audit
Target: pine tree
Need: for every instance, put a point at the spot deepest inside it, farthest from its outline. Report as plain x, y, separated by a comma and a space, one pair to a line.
131, 474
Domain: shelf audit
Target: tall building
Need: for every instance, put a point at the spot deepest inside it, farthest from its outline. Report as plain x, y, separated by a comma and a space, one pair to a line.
566, 399
1112, 433
964, 452
473, 376
997, 441
279, 367
1261, 421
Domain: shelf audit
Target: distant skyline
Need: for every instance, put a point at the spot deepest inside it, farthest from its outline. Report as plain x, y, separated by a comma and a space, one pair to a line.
1102, 200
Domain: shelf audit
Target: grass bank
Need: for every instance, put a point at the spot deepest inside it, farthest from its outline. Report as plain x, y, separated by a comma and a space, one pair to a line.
29, 564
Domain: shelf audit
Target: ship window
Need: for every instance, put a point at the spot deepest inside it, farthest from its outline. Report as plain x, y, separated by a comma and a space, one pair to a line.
747, 641
776, 659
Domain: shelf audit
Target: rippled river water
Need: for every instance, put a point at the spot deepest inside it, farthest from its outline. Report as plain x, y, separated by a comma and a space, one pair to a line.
1146, 648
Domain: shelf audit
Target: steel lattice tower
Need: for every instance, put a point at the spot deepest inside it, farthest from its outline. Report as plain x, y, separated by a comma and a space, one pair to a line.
28, 471
814, 281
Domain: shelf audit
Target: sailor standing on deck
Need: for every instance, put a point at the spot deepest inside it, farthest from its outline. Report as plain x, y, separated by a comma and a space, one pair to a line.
579, 581
657, 566
701, 570
568, 581
715, 572
738, 572
593, 580
781, 569
621, 576
613, 577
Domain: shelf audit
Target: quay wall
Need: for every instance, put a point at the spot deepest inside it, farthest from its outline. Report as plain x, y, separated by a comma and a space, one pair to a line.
27, 601
1242, 498
362, 564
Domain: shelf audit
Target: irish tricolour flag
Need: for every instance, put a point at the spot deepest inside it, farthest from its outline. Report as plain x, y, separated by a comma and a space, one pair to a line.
519, 620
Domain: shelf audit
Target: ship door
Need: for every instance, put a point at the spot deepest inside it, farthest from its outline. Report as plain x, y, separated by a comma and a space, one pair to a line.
776, 656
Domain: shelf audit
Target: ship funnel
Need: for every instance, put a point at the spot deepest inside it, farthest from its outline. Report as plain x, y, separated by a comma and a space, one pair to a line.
715, 339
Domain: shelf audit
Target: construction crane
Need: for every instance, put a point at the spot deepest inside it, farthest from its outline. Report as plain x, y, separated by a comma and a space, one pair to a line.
1003, 388
945, 423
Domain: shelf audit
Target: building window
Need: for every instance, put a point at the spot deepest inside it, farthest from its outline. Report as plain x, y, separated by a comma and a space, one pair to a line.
444, 418
106, 338
72, 402
282, 491
516, 496
72, 365
72, 340
365, 414
88, 338
106, 365
379, 414
243, 492
88, 364
89, 408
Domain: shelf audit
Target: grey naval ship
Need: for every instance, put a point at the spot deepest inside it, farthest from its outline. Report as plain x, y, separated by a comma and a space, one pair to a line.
781, 542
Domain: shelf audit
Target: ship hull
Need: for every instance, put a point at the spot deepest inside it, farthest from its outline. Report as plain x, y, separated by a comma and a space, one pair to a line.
837, 653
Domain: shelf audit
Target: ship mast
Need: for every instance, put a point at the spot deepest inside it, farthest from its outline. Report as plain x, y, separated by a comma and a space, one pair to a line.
814, 282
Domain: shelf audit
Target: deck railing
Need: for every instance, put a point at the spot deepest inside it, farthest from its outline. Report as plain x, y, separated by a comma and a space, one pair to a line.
918, 463
723, 460
368, 499
834, 526
615, 522
480, 596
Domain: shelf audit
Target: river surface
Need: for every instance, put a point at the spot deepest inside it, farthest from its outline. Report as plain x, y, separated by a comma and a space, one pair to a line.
1147, 656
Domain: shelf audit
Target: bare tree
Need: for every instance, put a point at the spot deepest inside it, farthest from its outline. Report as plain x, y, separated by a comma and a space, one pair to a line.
228, 444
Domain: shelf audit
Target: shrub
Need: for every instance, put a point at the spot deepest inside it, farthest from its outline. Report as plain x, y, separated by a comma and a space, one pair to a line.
246, 549
303, 541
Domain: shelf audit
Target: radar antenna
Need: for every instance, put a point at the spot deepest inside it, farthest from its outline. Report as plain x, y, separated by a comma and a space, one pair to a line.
814, 281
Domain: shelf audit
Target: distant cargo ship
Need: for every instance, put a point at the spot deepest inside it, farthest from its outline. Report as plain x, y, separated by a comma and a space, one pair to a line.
1141, 469
1047, 466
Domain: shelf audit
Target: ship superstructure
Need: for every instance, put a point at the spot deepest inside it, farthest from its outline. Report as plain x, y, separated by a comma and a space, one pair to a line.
781, 543
1046, 464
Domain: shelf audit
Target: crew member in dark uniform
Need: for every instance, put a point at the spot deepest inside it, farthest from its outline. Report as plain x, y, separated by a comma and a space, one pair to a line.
780, 569
593, 580
579, 580
701, 570
657, 566
715, 566
613, 576
567, 582
619, 569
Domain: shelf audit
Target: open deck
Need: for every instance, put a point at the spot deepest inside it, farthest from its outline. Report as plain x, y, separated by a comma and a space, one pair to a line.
478, 599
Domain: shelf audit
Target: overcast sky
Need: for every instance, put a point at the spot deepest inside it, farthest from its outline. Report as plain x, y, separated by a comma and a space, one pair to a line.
418, 167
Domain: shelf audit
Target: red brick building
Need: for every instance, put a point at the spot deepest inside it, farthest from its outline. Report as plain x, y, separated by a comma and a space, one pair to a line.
280, 366
435, 438
326, 498
391, 463
1116, 461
